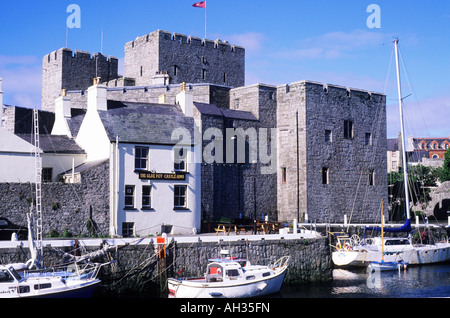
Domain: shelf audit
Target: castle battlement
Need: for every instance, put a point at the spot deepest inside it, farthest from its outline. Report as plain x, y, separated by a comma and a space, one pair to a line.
180, 38
77, 54
327, 88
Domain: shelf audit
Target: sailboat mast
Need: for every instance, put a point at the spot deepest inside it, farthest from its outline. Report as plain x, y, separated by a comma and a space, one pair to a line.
382, 232
400, 103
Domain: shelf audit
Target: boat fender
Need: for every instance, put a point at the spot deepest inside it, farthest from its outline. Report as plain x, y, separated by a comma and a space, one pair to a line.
261, 287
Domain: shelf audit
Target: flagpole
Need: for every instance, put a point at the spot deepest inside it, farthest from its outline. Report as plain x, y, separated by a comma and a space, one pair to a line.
206, 17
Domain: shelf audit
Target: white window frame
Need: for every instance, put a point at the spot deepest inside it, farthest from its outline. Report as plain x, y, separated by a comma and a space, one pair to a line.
180, 161
178, 196
139, 159
149, 196
132, 196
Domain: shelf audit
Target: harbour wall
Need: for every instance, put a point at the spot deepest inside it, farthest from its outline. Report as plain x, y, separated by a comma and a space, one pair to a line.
139, 271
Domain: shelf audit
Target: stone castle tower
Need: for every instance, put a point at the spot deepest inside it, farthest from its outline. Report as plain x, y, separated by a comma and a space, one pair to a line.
64, 69
183, 59
158, 58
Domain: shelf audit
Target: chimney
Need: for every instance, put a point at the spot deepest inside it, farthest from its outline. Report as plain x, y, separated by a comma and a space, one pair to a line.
97, 96
63, 105
186, 100
62, 112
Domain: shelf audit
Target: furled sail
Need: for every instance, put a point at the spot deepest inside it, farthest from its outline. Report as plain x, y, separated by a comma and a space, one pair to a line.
404, 228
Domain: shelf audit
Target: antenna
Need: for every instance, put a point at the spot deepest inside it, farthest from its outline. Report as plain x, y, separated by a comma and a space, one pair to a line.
67, 36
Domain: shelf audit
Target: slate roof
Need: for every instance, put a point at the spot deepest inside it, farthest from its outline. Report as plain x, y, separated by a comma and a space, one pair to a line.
145, 123
54, 144
429, 141
211, 109
75, 121
85, 166
392, 144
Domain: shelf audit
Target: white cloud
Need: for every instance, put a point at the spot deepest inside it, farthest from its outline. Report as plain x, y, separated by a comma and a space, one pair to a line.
333, 45
427, 118
253, 42
21, 80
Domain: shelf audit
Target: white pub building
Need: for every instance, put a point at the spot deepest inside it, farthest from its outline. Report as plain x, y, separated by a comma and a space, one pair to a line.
155, 184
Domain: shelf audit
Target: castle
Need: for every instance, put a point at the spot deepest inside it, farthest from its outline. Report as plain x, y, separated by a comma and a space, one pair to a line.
327, 146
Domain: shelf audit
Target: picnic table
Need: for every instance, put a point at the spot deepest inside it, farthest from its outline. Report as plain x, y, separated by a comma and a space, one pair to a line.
261, 226
268, 227
225, 228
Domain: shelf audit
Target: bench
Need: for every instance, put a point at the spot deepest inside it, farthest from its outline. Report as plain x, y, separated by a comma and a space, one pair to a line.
243, 228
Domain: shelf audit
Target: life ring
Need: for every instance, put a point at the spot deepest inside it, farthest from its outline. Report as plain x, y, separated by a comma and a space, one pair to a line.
347, 247
338, 246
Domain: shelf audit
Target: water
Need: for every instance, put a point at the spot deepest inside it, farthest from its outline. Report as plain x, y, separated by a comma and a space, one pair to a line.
415, 282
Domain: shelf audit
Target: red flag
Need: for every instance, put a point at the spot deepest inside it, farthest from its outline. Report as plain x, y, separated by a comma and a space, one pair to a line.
200, 5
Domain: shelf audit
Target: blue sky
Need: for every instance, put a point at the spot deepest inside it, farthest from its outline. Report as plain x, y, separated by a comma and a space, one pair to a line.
291, 40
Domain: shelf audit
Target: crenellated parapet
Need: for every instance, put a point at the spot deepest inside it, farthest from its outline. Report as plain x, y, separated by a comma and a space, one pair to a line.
185, 59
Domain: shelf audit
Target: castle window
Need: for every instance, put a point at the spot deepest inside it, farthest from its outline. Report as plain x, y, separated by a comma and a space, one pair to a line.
224, 78
203, 59
325, 175
146, 197
175, 70
236, 103
371, 177
368, 139
328, 136
180, 192
203, 74
284, 175
129, 196
348, 129
141, 71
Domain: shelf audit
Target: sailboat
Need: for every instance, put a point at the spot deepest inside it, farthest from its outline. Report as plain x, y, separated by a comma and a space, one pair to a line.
385, 266
362, 253
32, 279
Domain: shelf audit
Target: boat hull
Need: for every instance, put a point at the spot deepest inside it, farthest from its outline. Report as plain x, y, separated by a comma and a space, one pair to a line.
386, 266
200, 289
416, 255
77, 292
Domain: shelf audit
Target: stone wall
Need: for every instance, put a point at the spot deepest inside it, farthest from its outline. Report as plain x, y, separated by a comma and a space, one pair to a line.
65, 207
310, 258
203, 93
439, 204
